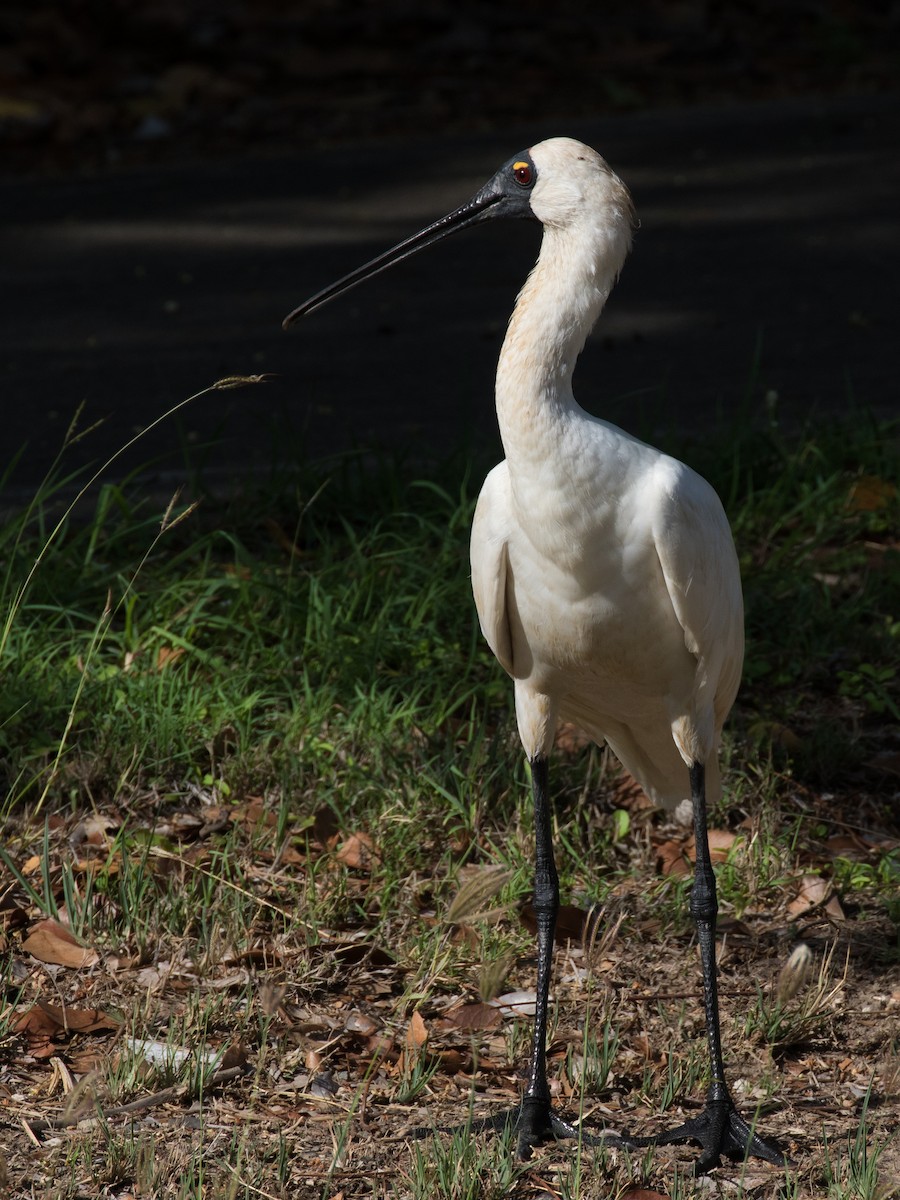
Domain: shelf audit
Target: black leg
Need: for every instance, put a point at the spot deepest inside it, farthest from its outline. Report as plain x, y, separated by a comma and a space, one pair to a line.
534, 1120
534, 1123
719, 1129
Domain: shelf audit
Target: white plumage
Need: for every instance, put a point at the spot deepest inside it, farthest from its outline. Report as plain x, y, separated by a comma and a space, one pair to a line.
604, 575
604, 572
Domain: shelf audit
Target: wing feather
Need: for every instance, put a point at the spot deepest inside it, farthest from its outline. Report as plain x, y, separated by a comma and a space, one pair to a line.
489, 557
700, 567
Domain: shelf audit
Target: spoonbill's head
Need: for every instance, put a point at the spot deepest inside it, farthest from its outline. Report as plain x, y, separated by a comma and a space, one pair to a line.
562, 183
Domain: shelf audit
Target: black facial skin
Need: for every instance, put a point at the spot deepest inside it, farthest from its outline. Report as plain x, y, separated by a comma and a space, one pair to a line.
507, 194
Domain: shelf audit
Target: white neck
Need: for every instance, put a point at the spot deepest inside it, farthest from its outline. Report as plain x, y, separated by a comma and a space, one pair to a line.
555, 311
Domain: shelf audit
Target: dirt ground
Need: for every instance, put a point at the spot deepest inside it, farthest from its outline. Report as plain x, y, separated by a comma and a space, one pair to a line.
319, 1070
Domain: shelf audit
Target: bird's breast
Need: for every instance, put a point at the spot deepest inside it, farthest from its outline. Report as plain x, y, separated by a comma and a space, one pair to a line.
591, 615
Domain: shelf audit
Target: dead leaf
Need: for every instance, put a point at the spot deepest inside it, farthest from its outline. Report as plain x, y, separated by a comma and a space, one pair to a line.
847, 845
92, 829
150, 978
379, 1044
87, 1059
674, 857
282, 539
351, 953
256, 813
671, 859
166, 655
50, 942
570, 922
44, 1023
78, 1020
416, 1034
36, 1024
642, 1194
628, 793
358, 852
289, 857
360, 1023
325, 829
720, 844
470, 1018
451, 1061
813, 891
869, 494
11, 915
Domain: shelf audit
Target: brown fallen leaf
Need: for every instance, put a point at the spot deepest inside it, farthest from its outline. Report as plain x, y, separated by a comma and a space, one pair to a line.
78, 1020
360, 1024
416, 1040
674, 857
50, 942
671, 859
416, 1034
358, 852
93, 829
351, 953
870, 493
166, 655
847, 845
380, 1044
325, 828
45, 1024
642, 1194
87, 1059
570, 922
256, 813
452, 1061
720, 844
471, 1018
11, 915
813, 891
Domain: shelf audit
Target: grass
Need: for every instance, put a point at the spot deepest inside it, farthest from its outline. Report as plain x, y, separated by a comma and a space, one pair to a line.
257, 756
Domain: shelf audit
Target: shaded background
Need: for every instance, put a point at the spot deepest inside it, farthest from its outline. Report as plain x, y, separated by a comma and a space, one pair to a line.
177, 178
88, 85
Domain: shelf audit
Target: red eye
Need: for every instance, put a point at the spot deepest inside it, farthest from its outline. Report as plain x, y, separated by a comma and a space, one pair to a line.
523, 173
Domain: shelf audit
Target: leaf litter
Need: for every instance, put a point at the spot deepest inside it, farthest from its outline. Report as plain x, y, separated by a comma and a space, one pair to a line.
316, 1027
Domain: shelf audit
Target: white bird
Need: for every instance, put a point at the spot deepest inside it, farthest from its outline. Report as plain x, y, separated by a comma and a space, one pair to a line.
604, 575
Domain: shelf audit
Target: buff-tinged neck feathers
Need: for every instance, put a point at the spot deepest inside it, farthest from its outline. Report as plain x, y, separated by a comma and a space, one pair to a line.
588, 219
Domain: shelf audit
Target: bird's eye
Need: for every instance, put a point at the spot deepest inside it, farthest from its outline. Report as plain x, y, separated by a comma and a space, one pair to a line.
523, 173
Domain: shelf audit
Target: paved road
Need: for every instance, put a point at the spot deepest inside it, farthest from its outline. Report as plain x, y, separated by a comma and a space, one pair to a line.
768, 230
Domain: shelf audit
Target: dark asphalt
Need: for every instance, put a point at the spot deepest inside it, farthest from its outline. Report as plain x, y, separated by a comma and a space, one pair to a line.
767, 230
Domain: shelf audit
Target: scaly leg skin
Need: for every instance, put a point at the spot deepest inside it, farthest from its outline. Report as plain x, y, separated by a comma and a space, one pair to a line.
534, 1121
719, 1129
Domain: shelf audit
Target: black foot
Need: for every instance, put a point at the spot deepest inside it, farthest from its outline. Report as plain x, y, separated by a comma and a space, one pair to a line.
720, 1129
534, 1123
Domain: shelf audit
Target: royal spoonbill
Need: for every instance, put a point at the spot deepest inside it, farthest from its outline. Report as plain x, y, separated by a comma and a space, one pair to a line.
605, 578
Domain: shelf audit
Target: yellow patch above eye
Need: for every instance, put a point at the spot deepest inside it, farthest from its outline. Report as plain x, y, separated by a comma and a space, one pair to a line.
521, 163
